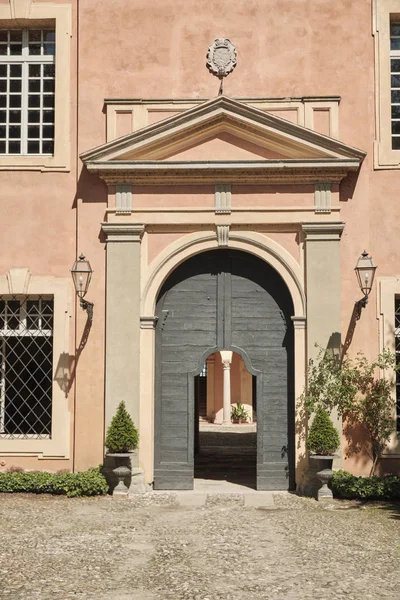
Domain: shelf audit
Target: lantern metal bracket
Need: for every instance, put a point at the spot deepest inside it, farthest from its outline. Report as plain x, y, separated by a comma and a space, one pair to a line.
360, 304
88, 306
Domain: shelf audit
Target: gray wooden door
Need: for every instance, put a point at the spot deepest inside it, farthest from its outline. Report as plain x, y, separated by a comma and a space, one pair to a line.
224, 300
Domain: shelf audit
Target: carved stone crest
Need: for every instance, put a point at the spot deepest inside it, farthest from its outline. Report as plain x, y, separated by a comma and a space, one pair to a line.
221, 57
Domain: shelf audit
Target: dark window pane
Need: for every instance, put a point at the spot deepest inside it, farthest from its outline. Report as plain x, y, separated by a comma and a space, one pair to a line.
2, 132
395, 126
15, 70
13, 314
14, 147
48, 116
33, 116
33, 131
34, 70
34, 85
3, 116
3, 101
396, 143
34, 49
15, 101
396, 112
2, 147
49, 36
15, 35
49, 70
35, 35
48, 147
394, 29
15, 49
14, 131
48, 101
15, 85
14, 116
3, 49
48, 85
3, 70
3, 35
33, 148
395, 44
34, 101
3, 85
49, 49
32, 316
48, 131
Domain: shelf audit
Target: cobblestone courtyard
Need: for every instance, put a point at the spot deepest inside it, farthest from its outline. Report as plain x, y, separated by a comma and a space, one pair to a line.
151, 548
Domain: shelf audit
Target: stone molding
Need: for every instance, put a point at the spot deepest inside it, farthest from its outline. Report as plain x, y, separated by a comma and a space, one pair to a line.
223, 198
299, 322
123, 232
148, 322
323, 197
123, 199
20, 9
320, 232
223, 235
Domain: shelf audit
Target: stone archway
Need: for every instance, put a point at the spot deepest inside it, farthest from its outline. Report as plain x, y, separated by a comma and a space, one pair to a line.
224, 300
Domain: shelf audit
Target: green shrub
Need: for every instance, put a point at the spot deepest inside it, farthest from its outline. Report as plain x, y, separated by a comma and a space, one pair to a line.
122, 435
322, 438
239, 412
84, 483
346, 485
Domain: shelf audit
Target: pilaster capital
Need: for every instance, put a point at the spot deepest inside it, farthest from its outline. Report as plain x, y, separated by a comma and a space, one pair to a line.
299, 322
321, 232
148, 322
123, 232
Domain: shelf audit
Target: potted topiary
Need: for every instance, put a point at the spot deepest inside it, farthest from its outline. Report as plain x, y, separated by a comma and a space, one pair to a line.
121, 441
239, 414
322, 442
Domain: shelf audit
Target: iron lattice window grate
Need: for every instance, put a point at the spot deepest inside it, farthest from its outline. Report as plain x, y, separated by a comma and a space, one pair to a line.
26, 366
397, 350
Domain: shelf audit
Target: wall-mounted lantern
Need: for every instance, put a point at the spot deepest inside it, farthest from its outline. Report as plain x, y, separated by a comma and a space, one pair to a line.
82, 274
365, 271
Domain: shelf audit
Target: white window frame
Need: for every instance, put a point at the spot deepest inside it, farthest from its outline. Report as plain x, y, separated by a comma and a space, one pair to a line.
26, 59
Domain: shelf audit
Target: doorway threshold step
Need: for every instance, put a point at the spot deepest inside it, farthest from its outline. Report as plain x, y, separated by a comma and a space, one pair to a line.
251, 498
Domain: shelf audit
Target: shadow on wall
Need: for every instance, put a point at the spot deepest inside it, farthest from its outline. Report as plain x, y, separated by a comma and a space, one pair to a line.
67, 364
90, 189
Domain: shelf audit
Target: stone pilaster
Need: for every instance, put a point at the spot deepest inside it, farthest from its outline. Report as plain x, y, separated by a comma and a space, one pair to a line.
122, 318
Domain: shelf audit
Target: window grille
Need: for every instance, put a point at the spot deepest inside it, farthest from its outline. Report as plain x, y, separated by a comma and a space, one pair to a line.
27, 81
26, 361
397, 350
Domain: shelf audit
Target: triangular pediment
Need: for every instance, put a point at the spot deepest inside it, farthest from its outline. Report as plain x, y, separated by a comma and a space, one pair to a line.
217, 132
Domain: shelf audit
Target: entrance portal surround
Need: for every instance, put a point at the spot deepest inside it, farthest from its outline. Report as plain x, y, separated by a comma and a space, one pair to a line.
152, 280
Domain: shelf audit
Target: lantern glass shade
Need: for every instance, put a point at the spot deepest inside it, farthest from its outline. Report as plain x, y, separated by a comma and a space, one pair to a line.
365, 271
81, 274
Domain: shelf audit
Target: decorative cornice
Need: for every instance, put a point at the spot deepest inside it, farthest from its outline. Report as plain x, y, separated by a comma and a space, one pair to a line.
148, 322
123, 198
223, 198
223, 235
307, 171
317, 232
323, 197
123, 232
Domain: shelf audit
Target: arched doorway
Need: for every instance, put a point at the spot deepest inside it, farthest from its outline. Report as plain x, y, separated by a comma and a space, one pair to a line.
224, 300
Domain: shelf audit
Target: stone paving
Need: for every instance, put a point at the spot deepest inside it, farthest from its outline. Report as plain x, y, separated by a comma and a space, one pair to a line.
150, 547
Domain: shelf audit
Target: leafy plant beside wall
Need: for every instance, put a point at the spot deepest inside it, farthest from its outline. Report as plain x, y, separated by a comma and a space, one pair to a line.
360, 392
323, 438
122, 435
239, 413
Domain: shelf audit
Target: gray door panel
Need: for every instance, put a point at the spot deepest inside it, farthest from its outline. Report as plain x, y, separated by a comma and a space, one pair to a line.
224, 300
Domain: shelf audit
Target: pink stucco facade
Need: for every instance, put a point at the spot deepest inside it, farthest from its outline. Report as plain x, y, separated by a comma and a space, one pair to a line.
132, 49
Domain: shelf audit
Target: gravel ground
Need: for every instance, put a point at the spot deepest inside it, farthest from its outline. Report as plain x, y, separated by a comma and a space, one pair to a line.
150, 548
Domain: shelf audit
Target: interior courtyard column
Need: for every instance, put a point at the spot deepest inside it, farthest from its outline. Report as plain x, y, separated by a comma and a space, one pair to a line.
322, 271
122, 354
226, 357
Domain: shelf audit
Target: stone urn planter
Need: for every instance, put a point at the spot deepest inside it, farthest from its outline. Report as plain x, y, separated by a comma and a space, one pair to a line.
323, 468
121, 459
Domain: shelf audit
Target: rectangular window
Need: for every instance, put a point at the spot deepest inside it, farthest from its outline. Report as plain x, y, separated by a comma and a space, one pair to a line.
27, 82
26, 366
397, 350
395, 83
